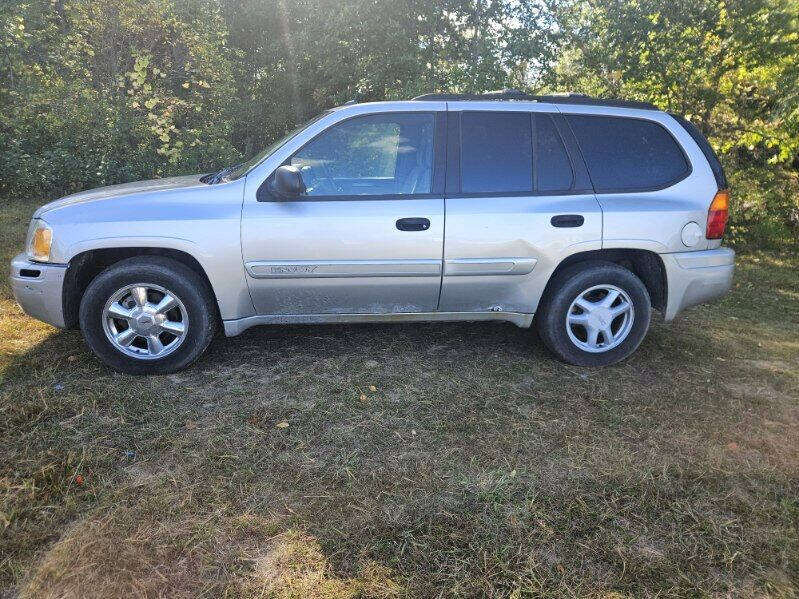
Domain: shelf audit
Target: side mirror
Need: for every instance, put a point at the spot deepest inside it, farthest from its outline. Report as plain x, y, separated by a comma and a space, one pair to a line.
287, 183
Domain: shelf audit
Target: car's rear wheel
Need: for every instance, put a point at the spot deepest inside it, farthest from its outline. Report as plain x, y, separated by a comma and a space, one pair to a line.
594, 314
148, 315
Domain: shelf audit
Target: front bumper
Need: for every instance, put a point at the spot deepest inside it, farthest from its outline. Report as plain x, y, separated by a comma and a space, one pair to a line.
696, 277
38, 289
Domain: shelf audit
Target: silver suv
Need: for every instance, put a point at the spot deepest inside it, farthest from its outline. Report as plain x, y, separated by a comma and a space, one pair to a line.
576, 214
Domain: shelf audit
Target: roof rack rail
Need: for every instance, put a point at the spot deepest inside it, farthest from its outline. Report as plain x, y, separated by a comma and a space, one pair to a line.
559, 98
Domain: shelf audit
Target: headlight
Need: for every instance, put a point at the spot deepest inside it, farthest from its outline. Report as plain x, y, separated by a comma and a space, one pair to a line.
40, 239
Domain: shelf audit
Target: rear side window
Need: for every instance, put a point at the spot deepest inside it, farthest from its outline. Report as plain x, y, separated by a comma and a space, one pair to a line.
496, 152
625, 154
553, 170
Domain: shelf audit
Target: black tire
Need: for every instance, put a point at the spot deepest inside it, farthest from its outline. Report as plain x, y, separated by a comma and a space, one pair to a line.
191, 289
570, 283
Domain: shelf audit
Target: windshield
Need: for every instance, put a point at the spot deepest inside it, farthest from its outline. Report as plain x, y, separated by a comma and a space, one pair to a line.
242, 169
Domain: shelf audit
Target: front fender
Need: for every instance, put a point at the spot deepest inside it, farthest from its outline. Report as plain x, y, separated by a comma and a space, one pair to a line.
203, 222
227, 281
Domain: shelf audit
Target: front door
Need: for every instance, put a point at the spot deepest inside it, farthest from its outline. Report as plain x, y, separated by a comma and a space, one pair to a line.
367, 236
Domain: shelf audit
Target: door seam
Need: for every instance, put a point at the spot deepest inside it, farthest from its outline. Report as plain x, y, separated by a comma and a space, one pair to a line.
444, 202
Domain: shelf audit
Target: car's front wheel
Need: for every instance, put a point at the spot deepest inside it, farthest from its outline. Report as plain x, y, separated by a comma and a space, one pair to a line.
594, 314
148, 315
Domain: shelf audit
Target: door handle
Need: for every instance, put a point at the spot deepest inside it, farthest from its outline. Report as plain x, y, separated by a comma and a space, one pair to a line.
413, 224
567, 220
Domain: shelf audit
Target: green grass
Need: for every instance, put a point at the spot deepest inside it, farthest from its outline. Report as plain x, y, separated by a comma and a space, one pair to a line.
418, 460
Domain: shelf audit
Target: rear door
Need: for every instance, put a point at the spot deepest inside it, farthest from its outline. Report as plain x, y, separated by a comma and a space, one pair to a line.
518, 201
367, 236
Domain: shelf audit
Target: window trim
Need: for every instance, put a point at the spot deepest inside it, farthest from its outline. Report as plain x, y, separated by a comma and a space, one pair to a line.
263, 193
688, 172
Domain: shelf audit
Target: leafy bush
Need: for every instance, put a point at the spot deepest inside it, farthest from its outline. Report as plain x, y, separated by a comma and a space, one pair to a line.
81, 113
765, 208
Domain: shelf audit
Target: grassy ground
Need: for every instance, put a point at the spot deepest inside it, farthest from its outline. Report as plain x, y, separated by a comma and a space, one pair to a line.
408, 460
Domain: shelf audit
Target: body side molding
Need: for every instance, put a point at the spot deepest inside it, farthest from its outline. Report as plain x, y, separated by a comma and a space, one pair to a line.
313, 269
488, 266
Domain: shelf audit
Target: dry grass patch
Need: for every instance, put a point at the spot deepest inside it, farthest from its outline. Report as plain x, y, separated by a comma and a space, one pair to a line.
155, 541
294, 566
162, 538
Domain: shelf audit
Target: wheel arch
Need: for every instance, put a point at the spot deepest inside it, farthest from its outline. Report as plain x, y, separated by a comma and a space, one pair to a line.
645, 264
86, 265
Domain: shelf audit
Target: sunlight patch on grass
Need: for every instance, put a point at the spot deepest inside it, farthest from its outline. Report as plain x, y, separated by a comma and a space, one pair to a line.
294, 566
161, 538
155, 540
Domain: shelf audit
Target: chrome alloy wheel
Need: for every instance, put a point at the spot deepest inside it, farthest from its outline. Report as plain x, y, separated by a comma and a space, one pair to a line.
145, 321
600, 318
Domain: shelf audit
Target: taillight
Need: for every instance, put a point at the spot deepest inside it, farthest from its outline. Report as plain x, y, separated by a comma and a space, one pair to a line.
717, 214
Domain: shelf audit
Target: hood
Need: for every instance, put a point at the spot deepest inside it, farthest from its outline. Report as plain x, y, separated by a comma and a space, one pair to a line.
125, 189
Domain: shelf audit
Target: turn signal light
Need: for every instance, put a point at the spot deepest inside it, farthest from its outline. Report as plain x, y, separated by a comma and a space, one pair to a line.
40, 241
717, 214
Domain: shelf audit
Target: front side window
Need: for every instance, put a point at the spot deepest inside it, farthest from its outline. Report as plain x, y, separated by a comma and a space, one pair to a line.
624, 154
381, 154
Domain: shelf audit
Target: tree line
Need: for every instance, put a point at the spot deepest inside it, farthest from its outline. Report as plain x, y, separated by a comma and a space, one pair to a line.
95, 92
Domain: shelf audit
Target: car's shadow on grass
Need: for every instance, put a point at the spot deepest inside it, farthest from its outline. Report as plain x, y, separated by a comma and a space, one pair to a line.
389, 342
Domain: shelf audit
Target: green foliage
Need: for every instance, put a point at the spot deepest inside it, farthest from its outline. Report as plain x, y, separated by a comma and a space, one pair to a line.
106, 91
95, 92
765, 211
724, 65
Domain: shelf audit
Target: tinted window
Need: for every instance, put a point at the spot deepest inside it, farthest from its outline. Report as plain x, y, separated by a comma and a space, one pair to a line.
553, 171
496, 152
384, 154
625, 154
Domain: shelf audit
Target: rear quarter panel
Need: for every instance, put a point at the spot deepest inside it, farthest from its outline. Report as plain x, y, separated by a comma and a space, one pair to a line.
653, 220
